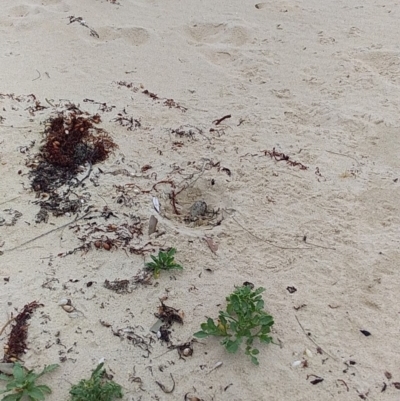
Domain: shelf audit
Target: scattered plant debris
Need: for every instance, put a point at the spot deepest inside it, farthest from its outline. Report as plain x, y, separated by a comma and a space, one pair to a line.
291, 289
366, 333
81, 21
129, 333
278, 156
23, 385
126, 121
244, 313
169, 315
118, 286
10, 218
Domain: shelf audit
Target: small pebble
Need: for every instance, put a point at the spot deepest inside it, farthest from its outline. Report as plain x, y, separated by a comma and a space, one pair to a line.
199, 208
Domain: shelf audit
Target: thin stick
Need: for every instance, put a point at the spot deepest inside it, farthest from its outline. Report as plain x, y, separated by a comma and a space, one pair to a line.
2, 203
38, 76
342, 154
48, 232
266, 240
304, 331
4, 327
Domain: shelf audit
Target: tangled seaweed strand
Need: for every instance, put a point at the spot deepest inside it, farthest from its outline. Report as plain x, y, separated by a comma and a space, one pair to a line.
16, 344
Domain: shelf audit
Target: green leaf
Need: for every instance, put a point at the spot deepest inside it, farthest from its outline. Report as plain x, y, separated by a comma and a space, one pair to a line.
255, 351
232, 346
14, 384
201, 334
19, 372
50, 368
254, 360
12, 397
265, 339
35, 394
211, 324
44, 389
267, 320
5, 377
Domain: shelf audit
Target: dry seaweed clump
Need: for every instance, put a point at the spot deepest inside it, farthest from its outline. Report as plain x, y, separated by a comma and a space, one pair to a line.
72, 142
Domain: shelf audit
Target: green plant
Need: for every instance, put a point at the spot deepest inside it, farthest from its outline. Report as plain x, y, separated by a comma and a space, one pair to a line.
163, 261
244, 318
23, 384
97, 388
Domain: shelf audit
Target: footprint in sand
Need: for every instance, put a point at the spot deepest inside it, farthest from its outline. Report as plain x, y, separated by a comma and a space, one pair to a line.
218, 34
135, 36
386, 64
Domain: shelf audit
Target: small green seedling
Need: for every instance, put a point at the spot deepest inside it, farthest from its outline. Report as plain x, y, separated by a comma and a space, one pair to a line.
163, 261
23, 385
244, 318
97, 388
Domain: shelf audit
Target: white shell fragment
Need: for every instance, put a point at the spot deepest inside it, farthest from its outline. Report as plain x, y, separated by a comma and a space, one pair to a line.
64, 301
308, 353
296, 364
156, 204
187, 352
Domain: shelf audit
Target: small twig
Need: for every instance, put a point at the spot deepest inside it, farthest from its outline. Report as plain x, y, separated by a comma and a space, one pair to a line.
342, 154
48, 101
4, 327
2, 203
340, 380
304, 331
86, 176
38, 76
219, 120
266, 240
321, 246
48, 232
163, 387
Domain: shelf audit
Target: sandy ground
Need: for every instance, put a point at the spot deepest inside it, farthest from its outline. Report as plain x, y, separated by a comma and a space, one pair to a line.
316, 80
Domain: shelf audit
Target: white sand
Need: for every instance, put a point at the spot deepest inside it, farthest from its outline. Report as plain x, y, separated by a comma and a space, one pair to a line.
319, 81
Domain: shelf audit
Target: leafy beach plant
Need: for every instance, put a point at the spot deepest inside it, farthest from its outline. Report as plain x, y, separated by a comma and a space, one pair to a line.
244, 319
163, 261
97, 388
23, 385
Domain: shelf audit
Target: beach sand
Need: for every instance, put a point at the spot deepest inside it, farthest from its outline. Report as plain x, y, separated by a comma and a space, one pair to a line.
316, 81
